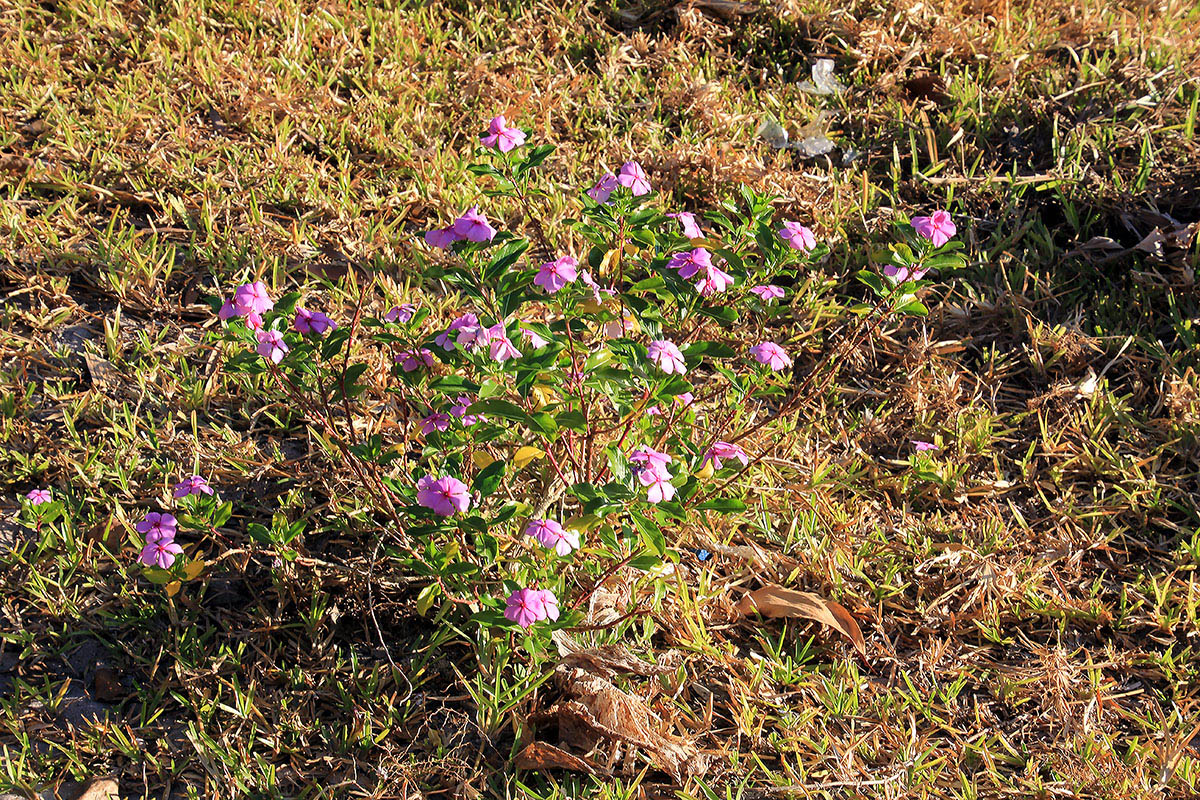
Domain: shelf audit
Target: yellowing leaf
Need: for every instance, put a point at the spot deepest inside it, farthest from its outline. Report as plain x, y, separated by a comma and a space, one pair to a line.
584, 523
426, 597
526, 454
173, 588
193, 569
482, 460
609, 264
706, 471
543, 396
591, 306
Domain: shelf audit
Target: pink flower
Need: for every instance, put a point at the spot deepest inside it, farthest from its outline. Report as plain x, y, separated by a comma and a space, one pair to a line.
797, 236
768, 293
193, 485
442, 238
254, 321
271, 345
401, 313
653, 473
691, 262
252, 298
684, 399
721, 451
502, 137
650, 459
772, 355
657, 483
691, 229
459, 409
554, 275
312, 322
552, 535
157, 527
939, 228
526, 606
550, 603
713, 282
500, 347
444, 496
901, 274
473, 226
633, 177
38, 496
467, 328
160, 554
535, 341
437, 421
410, 360
603, 188
667, 356
922, 447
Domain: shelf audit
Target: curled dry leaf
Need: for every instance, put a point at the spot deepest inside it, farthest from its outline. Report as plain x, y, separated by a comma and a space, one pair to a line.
600, 708
543, 756
776, 601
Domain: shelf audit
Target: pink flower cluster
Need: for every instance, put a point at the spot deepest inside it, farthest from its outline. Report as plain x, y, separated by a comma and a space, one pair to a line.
312, 322
552, 535
527, 606
938, 228
250, 301
724, 451
652, 472
667, 356
631, 176
445, 496
554, 275
472, 226
698, 262
160, 549
192, 485
502, 137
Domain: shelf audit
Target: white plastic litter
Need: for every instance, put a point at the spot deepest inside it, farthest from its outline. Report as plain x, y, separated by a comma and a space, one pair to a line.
823, 81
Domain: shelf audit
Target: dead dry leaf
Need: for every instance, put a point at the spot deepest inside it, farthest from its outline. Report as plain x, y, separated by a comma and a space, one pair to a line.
543, 756
776, 601
601, 708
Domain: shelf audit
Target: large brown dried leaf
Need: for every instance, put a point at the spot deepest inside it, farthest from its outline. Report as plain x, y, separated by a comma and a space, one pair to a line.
776, 601
607, 710
543, 756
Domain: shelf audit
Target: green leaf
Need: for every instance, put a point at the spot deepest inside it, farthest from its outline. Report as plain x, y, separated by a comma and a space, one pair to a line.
572, 420
490, 618
710, 349
487, 480
872, 280
648, 284
651, 534
721, 314
505, 257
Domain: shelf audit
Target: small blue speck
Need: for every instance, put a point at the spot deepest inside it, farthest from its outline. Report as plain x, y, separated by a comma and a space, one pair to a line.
703, 554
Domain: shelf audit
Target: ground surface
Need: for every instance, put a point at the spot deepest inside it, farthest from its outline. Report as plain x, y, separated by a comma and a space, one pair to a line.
1031, 610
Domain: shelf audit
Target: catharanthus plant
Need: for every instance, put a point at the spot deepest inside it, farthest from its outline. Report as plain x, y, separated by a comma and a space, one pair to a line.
554, 418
